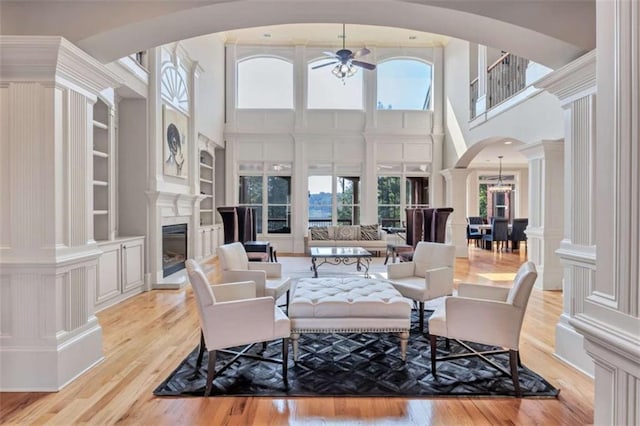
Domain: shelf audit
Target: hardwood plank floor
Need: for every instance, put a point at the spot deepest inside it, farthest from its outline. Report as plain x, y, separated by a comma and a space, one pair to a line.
147, 336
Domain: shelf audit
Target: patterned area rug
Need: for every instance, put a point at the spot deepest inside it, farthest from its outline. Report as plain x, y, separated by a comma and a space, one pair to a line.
356, 365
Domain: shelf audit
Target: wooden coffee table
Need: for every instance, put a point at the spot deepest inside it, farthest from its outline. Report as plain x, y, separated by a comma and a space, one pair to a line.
340, 255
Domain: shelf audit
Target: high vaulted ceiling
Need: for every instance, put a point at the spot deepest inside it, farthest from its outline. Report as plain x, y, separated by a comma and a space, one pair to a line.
331, 34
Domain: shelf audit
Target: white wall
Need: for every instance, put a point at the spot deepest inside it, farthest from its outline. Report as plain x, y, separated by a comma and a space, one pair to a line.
208, 51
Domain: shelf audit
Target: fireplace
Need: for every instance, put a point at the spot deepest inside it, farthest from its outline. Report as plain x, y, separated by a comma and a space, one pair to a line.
174, 248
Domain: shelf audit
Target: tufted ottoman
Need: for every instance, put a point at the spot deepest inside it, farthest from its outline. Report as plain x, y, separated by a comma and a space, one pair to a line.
348, 305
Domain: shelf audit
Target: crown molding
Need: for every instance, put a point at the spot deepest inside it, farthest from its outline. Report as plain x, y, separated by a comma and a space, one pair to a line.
573, 81
53, 59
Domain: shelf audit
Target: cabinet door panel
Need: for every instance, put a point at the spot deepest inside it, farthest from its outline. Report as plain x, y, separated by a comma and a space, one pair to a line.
108, 284
133, 258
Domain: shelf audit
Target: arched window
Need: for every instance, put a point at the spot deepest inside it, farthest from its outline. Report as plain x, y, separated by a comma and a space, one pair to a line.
404, 84
265, 82
326, 91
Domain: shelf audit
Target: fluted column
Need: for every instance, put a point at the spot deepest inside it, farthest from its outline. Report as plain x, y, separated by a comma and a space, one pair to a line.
575, 87
48, 331
610, 321
546, 210
456, 197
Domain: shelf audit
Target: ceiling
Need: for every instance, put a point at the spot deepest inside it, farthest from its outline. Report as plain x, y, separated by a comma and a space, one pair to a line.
488, 157
331, 35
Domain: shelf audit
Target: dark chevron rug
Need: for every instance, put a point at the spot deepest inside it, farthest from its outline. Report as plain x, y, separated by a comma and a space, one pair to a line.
356, 365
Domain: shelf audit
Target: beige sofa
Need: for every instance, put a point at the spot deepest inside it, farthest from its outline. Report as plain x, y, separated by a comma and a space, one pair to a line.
369, 237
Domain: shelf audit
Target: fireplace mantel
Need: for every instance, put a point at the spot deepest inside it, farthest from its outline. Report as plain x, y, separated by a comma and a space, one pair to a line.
169, 208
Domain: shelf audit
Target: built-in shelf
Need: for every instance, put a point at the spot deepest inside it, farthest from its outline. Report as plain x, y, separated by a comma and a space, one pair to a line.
103, 223
206, 188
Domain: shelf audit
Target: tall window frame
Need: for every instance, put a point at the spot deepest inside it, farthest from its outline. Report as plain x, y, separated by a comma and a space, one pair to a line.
412, 183
397, 94
345, 194
273, 208
274, 82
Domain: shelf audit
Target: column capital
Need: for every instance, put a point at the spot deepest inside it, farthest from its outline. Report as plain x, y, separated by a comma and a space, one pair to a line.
541, 148
573, 81
53, 59
450, 174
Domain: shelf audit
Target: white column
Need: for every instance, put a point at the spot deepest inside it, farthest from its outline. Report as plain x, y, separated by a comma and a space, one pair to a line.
481, 102
48, 331
575, 86
456, 197
546, 210
436, 186
369, 195
610, 321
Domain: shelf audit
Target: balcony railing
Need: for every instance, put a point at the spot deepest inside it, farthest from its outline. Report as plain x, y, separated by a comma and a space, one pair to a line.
505, 77
473, 97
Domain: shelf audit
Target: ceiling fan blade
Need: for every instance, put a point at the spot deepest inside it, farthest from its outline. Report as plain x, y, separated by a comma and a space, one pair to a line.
331, 54
324, 65
364, 65
362, 52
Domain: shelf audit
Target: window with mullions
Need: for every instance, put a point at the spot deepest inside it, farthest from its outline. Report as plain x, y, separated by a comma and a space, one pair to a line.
389, 201
265, 82
400, 186
348, 200
334, 201
320, 200
404, 84
417, 190
265, 187
279, 204
250, 195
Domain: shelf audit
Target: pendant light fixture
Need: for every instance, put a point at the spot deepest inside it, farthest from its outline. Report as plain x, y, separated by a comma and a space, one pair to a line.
500, 186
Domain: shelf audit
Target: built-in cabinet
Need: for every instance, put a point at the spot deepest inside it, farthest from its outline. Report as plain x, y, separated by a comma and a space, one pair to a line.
120, 270
121, 265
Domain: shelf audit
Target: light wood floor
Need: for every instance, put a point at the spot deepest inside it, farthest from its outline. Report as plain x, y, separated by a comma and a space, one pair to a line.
147, 336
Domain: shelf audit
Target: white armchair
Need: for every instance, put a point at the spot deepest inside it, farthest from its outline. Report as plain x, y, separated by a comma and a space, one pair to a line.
428, 276
231, 315
268, 277
487, 315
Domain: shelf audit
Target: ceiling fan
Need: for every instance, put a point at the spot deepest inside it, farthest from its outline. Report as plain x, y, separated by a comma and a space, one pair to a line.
346, 60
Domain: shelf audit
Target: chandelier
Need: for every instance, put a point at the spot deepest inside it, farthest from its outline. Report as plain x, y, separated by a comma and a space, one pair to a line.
500, 186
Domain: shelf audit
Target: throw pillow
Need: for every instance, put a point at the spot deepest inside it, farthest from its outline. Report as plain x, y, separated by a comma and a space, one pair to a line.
346, 233
369, 232
319, 233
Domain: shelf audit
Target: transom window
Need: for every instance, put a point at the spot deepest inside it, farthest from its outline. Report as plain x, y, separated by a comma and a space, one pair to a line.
404, 84
325, 91
265, 82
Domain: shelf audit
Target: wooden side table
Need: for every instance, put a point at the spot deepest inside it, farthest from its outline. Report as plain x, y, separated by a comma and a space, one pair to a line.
260, 250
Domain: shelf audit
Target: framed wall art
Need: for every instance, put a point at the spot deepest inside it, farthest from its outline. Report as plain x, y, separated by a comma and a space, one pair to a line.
176, 143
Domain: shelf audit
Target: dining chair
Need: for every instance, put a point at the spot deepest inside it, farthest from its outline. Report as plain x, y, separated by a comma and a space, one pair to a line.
518, 233
499, 233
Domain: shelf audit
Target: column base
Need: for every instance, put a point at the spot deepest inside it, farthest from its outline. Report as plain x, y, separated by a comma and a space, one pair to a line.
49, 369
570, 347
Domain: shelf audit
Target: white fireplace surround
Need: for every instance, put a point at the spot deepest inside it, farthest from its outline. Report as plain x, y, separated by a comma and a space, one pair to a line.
168, 208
